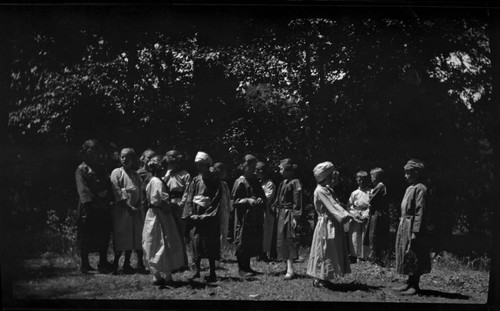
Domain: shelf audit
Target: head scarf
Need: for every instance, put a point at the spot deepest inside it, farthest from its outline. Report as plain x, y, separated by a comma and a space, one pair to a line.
414, 164
202, 157
323, 170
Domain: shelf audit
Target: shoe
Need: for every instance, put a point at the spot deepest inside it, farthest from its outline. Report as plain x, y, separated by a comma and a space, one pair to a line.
87, 269
211, 278
319, 283
252, 271
195, 275
409, 292
105, 268
128, 270
142, 270
160, 282
289, 276
401, 288
244, 274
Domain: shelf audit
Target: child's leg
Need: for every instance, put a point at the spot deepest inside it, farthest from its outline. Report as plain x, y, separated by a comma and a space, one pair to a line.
103, 258
289, 269
212, 266
212, 277
140, 256
116, 260
126, 263
157, 276
198, 268
84, 256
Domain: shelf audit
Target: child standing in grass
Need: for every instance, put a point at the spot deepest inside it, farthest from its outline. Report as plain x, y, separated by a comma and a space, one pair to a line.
412, 253
161, 241
262, 173
226, 206
359, 205
94, 191
177, 180
250, 204
377, 229
288, 206
128, 214
203, 202
329, 257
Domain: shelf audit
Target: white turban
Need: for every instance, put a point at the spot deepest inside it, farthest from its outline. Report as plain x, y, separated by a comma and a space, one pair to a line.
323, 170
202, 157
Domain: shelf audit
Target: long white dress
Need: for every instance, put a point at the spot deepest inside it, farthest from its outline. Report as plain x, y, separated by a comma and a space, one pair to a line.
329, 254
359, 205
161, 241
127, 224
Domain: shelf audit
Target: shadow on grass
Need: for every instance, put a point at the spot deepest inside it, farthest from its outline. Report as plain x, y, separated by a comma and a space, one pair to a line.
435, 293
350, 287
39, 272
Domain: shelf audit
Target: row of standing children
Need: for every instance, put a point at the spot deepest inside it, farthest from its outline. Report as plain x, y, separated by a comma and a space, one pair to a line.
168, 215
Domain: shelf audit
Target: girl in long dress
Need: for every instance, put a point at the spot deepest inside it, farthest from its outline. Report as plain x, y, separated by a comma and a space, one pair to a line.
329, 253
94, 219
177, 180
288, 206
128, 213
412, 253
359, 204
249, 202
161, 241
262, 173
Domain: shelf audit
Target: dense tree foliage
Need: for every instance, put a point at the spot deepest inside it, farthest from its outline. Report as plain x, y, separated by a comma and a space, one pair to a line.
360, 89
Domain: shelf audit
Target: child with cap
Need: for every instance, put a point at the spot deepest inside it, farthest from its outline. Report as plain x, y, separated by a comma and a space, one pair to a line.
412, 254
329, 257
203, 202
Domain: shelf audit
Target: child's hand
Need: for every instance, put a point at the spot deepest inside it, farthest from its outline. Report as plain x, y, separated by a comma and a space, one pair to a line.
413, 236
194, 217
294, 223
132, 208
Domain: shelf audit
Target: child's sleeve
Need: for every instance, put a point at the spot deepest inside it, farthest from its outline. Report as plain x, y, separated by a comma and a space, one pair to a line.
333, 207
297, 199
420, 193
155, 192
116, 186
84, 192
239, 193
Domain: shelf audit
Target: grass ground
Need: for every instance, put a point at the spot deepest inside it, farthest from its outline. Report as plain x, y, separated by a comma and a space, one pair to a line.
59, 278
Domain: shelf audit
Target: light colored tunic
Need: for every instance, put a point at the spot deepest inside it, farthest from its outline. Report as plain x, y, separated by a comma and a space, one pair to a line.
226, 207
161, 241
329, 256
127, 224
269, 220
359, 205
412, 256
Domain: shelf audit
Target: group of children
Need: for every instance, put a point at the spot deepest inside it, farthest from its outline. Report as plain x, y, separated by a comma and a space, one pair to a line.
171, 220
